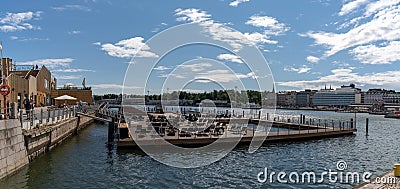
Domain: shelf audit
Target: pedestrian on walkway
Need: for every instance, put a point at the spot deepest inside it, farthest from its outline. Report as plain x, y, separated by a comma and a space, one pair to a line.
27, 106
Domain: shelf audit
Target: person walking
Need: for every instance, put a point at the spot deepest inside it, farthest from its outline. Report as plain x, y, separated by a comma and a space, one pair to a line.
27, 106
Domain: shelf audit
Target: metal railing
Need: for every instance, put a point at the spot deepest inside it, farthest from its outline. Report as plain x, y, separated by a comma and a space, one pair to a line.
39, 116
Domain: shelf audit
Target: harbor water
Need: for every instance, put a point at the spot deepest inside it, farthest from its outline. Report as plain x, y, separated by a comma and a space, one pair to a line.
84, 161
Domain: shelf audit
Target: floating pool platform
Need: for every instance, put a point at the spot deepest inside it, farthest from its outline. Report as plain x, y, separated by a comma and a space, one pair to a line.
282, 130
296, 133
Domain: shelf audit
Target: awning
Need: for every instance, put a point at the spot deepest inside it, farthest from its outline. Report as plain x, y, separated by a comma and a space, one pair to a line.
65, 97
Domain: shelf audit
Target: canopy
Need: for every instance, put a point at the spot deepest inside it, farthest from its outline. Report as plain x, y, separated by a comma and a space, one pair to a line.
65, 97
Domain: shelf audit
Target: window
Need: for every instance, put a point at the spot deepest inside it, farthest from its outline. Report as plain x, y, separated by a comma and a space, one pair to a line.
46, 84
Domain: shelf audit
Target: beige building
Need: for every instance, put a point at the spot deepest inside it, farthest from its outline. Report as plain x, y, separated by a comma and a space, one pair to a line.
19, 86
43, 87
26, 82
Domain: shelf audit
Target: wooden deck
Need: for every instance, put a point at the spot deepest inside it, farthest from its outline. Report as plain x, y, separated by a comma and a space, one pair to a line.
285, 131
244, 137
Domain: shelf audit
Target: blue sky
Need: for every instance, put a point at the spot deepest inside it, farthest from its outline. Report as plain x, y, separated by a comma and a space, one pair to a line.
307, 44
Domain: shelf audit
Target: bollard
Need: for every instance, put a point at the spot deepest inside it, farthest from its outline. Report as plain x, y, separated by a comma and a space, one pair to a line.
111, 132
243, 113
54, 115
58, 115
267, 116
21, 118
41, 117
48, 116
366, 126
31, 118
304, 119
259, 115
301, 118
278, 129
351, 123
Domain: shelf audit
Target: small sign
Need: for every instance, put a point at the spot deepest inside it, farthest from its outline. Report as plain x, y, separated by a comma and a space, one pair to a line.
4, 90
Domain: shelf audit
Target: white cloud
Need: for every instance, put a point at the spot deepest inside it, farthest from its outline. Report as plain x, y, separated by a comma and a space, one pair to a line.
192, 15
116, 88
352, 5
221, 33
300, 70
68, 77
345, 76
128, 48
379, 5
232, 37
113, 86
270, 25
372, 54
72, 7
259, 38
191, 90
312, 59
97, 43
179, 76
23, 39
237, 2
50, 63
72, 70
161, 68
222, 76
383, 26
18, 21
230, 57
74, 32
196, 67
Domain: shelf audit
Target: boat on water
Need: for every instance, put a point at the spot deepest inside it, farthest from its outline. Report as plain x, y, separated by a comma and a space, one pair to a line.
377, 113
395, 115
251, 106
